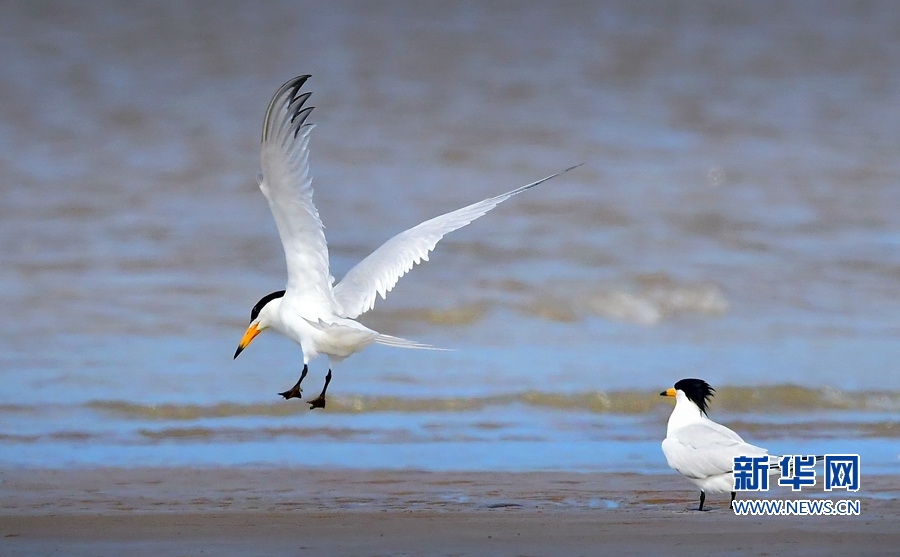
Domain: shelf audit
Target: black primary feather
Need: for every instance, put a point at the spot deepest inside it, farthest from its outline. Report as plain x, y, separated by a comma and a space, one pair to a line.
698, 391
287, 99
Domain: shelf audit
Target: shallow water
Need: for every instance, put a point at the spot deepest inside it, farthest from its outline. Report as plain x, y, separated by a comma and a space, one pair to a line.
736, 220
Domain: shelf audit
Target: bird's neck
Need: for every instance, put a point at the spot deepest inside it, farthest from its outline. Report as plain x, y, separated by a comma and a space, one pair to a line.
270, 316
684, 413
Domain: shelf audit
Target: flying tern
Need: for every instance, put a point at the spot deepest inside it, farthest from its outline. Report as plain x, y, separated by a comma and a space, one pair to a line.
699, 448
312, 310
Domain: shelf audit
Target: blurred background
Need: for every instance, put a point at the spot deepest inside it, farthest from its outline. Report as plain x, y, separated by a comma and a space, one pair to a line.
736, 220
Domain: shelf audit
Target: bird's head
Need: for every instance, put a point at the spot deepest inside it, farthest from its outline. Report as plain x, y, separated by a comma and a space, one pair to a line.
260, 318
697, 391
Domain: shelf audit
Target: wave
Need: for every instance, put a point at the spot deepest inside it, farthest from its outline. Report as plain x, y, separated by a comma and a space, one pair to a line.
645, 299
763, 430
770, 399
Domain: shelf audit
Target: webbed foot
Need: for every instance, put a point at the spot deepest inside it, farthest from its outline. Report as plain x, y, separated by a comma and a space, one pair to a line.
294, 392
319, 401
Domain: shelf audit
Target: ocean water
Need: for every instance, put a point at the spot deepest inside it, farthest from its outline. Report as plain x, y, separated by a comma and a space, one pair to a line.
737, 219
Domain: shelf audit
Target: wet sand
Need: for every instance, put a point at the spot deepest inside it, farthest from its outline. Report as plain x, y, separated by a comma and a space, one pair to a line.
314, 512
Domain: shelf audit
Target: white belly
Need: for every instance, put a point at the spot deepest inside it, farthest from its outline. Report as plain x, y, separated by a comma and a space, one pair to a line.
337, 339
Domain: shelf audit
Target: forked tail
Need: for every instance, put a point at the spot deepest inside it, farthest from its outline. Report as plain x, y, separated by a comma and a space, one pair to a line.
397, 342
359, 336
775, 465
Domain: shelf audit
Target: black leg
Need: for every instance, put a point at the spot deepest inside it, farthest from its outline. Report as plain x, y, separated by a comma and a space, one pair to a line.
731, 505
702, 499
295, 391
319, 402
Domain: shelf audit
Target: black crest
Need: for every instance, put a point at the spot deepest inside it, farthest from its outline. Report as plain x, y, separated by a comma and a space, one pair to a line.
254, 313
698, 391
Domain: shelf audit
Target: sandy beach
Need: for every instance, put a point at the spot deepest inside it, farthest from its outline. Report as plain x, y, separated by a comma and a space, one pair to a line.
245, 512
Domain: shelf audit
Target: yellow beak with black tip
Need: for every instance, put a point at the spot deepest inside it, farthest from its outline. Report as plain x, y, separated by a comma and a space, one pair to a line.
251, 333
668, 392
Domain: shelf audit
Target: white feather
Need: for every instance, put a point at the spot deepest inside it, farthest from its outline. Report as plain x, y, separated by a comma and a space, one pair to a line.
380, 271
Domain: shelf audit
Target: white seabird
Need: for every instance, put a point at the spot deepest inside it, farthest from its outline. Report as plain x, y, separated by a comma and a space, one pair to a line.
700, 449
312, 310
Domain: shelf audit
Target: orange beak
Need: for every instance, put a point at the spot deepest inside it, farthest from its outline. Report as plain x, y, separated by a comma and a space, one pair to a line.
668, 392
251, 333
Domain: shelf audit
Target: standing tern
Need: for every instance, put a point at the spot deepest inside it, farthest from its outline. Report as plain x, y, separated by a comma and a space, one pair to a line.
699, 448
312, 310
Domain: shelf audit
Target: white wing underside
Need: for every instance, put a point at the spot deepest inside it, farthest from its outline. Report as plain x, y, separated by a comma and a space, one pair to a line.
287, 185
706, 449
380, 271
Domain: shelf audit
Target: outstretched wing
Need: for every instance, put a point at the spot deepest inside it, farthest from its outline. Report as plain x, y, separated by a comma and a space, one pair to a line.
380, 271
287, 185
